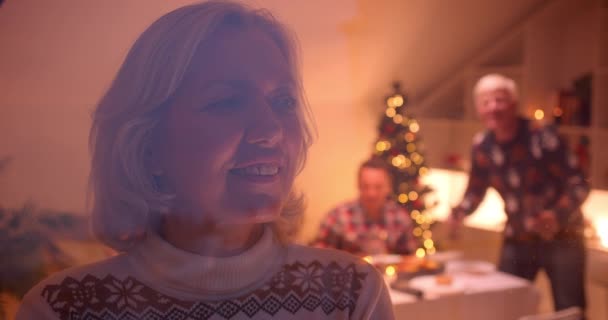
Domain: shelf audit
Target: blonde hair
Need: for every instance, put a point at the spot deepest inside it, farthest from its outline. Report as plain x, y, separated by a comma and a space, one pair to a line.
496, 81
123, 195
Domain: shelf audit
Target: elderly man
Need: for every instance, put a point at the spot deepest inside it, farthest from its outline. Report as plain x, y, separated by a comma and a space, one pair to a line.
539, 180
373, 223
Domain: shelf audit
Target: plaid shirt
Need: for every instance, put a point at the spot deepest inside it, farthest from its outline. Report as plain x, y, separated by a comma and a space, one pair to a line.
348, 228
534, 172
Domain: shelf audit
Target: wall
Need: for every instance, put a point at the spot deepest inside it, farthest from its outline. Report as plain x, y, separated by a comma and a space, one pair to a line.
58, 56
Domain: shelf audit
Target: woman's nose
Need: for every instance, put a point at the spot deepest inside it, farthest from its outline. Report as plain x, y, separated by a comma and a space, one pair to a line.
264, 126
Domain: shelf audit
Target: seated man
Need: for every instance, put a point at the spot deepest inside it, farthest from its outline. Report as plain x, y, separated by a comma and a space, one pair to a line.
372, 224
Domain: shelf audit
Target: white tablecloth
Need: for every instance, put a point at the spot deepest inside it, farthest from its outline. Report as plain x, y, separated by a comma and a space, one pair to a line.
494, 296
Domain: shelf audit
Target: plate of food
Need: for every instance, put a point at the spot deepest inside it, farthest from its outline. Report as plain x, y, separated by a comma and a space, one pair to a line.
437, 285
471, 267
384, 259
410, 267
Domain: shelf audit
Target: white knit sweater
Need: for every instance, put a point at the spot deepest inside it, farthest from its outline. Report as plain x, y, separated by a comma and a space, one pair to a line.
158, 281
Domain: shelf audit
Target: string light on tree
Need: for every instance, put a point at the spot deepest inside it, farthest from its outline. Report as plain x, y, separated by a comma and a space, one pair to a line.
399, 145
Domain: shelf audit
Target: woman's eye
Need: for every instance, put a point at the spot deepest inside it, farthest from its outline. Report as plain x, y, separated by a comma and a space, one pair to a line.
225, 104
284, 102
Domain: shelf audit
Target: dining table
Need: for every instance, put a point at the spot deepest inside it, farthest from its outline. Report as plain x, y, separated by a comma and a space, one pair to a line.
489, 294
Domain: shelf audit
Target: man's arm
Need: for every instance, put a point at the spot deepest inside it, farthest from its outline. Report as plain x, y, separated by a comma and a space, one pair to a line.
563, 165
477, 185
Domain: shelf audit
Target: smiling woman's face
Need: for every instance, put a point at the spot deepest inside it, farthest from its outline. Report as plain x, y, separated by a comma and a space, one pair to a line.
231, 139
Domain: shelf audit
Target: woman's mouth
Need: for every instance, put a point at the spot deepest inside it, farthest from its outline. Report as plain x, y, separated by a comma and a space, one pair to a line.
257, 170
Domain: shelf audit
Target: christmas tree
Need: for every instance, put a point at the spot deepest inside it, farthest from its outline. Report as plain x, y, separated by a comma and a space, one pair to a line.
399, 145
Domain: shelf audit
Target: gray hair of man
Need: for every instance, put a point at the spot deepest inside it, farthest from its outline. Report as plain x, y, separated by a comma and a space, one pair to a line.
495, 81
123, 196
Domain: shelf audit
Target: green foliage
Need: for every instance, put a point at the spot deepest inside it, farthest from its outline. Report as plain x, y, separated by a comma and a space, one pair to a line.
27, 246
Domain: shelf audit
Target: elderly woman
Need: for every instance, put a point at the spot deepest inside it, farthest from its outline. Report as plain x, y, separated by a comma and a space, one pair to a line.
195, 147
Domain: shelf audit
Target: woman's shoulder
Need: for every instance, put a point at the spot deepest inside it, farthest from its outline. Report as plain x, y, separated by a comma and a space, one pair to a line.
333, 262
323, 255
342, 278
114, 265
39, 302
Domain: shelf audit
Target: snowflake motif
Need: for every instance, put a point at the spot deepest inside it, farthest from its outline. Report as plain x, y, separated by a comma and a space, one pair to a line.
346, 279
514, 179
497, 156
162, 299
83, 293
511, 204
550, 140
141, 302
125, 293
340, 280
478, 138
572, 160
308, 277
535, 148
278, 281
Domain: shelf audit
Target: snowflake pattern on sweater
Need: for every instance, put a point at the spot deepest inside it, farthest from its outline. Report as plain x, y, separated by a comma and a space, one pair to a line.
534, 172
312, 286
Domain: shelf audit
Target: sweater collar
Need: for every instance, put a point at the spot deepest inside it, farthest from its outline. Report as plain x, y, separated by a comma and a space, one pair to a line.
182, 270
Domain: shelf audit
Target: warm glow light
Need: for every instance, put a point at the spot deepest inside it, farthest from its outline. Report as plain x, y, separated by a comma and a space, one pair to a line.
406, 163
398, 160
416, 157
403, 198
390, 112
390, 271
602, 231
430, 250
414, 127
367, 259
398, 119
413, 195
417, 232
539, 114
423, 171
428, 243
409, 137
410, 147
383, 145
390, 102
427, 234
557, 111
397, 100
420, 253
420, 220
415, 213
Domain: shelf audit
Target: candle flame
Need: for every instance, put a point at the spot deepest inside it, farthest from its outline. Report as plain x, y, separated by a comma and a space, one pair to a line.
602, 231
390, 271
